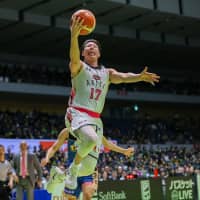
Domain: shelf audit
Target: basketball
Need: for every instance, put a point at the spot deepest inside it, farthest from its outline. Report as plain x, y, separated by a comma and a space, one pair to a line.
89, 20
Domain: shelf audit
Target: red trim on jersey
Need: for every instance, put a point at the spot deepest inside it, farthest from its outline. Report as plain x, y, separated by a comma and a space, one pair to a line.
72, 95
89, 112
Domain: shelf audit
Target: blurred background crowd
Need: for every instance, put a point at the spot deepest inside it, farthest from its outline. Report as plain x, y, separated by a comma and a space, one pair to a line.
141, 129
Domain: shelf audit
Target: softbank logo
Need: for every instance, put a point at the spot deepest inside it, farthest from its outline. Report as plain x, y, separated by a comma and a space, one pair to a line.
112, 195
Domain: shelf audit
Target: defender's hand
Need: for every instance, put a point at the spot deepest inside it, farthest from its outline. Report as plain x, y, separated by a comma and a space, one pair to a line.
129, 152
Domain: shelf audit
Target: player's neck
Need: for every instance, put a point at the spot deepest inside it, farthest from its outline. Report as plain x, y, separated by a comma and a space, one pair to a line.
92, 63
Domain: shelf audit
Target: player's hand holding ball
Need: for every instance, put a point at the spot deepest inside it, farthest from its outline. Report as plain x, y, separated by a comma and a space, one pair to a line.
83, 22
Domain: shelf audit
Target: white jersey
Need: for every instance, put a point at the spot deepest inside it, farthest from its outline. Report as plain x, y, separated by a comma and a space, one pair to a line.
89, 88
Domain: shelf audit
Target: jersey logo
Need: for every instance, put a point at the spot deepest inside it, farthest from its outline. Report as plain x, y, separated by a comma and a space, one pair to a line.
73, 148
96, 77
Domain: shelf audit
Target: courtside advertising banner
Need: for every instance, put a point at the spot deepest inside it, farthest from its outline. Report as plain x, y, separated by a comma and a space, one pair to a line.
150, 189
180, 188
117, 190
198, 186
139, 189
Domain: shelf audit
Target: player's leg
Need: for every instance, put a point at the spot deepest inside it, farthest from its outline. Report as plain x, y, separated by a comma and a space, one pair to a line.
73, 194
56, 184
88, 140
88, 186
88, 190
88, 137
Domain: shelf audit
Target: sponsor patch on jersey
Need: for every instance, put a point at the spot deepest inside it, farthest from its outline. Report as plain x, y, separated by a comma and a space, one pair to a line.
96, 77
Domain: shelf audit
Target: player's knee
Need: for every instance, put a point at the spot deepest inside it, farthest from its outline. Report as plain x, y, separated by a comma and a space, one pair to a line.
92, 140
89, 135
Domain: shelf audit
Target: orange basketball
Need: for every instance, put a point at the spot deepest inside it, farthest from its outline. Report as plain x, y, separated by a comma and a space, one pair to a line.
89, 20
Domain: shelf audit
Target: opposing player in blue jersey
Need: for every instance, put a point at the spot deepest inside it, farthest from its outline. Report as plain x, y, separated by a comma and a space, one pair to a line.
90, 83
86, 183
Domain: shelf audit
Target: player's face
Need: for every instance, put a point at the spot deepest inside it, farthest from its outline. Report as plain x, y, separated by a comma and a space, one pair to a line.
2, 151
91, 51
23, 146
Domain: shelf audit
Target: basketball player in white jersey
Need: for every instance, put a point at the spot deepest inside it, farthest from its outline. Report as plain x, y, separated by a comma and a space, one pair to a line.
90, 82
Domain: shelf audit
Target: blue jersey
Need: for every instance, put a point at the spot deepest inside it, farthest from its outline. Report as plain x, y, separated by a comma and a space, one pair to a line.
72, 148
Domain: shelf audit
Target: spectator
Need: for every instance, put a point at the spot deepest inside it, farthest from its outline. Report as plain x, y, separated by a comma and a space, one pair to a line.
25, 165
6, 175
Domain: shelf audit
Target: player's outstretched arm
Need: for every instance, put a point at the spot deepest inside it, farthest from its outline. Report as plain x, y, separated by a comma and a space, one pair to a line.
127, 152
62, 137
120, 77
75, 62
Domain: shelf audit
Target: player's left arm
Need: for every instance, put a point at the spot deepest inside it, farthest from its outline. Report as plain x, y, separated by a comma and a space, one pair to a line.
129, 77
127, 152
62, 137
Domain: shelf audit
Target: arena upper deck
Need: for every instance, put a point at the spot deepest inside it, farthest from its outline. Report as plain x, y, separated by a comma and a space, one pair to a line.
147, 29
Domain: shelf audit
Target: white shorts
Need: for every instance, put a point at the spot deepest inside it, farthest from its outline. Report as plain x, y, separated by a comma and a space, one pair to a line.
75, 119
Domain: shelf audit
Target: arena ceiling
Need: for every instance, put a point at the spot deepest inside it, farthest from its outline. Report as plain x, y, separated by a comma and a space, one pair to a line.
40, 27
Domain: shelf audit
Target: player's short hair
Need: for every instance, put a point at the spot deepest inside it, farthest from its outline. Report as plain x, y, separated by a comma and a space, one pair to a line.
91, 40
